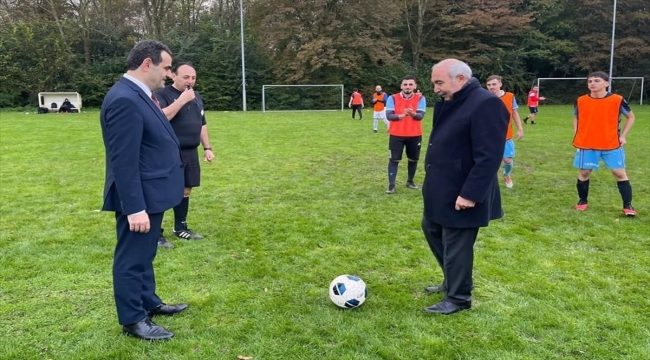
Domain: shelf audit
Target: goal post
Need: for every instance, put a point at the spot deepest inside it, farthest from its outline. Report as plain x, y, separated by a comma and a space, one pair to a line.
635, 78
316, 97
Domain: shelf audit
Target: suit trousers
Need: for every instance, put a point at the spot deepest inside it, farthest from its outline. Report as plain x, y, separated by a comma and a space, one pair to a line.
134, 283
454, 250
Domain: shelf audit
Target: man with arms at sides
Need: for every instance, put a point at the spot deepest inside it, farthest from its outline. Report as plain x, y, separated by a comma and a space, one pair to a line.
461, 186
494, 86
183, 107
144, 177
405, 111
356, 103
379, 99
533, 104
598, 135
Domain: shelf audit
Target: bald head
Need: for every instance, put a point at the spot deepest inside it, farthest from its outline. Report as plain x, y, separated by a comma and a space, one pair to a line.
449, 76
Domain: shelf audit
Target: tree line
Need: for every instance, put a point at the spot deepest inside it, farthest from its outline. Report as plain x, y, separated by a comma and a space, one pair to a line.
81, 45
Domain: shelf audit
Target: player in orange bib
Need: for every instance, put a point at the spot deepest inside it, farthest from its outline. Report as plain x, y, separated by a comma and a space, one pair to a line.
598, 135
405, 111
356, 103
379, 99
494, 86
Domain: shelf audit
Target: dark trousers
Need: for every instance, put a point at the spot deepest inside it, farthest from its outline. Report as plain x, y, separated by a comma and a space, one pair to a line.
454, 250
357, 108
134, 283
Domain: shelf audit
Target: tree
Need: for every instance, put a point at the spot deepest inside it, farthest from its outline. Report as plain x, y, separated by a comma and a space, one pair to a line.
324, 41
422, 18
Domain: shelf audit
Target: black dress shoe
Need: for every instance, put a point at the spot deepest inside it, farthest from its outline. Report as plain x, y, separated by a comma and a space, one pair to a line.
447, 308
435, 288
147, 330
168, 310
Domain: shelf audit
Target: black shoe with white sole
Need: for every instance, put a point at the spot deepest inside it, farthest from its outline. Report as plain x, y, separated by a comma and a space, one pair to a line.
187, 234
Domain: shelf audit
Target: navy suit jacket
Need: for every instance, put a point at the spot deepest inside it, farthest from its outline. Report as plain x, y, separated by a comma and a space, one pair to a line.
144, 170
463, 157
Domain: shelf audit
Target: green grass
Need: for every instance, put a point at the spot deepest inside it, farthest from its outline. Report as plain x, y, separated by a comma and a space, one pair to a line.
295, 199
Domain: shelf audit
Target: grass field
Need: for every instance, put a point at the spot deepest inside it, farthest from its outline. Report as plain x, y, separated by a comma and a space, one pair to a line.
295, 199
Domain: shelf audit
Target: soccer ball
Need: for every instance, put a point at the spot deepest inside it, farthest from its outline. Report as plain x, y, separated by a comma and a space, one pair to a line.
348, 291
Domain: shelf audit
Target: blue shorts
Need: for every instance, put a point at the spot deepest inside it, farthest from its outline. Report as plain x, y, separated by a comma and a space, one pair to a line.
532, 109
589, 159
509, 151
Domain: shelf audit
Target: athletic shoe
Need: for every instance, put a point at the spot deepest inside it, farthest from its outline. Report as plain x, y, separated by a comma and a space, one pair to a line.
374, 131
581, 206
629, 211
411, 185
508, 181
526, 120
532, 122
164, 243
187, 234
390, 190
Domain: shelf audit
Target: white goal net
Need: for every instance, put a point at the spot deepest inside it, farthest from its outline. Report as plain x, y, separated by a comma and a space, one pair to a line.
303, 98
567, 90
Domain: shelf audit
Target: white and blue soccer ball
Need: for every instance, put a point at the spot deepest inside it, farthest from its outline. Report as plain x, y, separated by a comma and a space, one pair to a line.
348, 291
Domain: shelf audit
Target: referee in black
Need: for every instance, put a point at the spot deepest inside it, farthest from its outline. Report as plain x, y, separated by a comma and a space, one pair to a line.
183, 107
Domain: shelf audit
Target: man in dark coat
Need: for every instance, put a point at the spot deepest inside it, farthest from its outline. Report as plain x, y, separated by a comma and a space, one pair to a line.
461, 189
144, 178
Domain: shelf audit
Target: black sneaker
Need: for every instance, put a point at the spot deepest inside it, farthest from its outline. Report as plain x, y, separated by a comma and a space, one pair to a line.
163, 242
375, 131
532, 122
526, 120
187, 234
391, 189
411, 185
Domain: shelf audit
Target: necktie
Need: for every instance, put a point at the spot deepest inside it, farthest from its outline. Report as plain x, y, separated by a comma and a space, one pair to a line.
155, 100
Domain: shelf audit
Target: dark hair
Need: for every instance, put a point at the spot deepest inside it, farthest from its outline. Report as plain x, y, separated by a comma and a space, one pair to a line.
355, 90
175, 67
598, 74
144, 49
409, 77
494, 77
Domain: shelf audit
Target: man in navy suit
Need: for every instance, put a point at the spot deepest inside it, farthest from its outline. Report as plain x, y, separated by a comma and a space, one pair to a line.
461, 189
144, 177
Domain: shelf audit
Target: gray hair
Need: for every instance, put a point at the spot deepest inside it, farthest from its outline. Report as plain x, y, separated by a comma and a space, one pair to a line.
454, 68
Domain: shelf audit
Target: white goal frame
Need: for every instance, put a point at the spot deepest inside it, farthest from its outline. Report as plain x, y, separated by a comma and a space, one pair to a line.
264, 87
613, 78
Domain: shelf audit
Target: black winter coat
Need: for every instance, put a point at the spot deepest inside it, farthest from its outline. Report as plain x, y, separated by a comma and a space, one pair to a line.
463, 158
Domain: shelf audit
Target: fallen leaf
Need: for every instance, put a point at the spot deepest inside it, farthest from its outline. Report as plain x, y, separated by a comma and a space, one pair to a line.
242, 357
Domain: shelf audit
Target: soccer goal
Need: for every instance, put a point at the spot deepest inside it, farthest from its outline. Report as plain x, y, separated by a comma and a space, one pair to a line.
630, 87
303, 98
